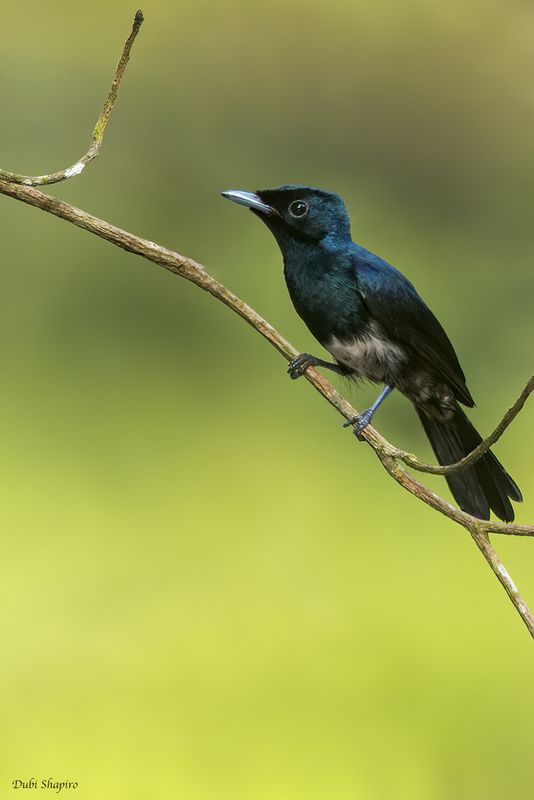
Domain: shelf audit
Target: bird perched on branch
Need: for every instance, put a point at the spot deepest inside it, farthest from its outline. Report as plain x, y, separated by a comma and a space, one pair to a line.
373, 322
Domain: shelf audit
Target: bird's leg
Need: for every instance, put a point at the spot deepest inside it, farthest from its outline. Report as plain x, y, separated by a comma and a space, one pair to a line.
300, 364
361, 422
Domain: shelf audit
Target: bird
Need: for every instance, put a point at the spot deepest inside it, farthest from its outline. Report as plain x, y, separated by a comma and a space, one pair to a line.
375, 325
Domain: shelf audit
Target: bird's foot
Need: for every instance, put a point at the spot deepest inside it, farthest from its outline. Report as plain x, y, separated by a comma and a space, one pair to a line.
300, 364
360, 423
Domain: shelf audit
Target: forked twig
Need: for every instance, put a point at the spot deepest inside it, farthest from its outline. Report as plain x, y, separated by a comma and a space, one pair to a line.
98, 131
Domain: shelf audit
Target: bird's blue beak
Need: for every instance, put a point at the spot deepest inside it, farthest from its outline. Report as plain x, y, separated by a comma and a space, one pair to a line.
250, 200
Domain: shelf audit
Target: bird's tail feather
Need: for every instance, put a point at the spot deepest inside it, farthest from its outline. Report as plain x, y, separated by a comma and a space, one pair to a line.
478, 489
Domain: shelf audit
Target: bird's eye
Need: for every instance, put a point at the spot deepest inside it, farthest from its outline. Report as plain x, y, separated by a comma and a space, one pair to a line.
298, 209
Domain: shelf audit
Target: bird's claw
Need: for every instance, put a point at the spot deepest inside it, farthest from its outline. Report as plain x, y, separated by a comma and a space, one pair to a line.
300, 364
360, 423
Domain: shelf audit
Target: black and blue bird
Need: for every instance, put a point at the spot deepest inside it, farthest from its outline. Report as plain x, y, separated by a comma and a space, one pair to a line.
373, 322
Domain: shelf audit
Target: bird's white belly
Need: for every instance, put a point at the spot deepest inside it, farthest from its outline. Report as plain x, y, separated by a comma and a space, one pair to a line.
372, 355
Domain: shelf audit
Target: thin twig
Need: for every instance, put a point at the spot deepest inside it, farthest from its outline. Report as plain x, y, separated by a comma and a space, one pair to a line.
478, 452
98, 131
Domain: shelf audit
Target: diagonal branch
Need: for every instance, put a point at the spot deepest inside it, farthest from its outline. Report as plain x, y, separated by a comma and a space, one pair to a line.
98, 131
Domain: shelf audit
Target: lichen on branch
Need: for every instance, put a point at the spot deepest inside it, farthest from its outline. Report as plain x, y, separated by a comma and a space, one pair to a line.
98, 131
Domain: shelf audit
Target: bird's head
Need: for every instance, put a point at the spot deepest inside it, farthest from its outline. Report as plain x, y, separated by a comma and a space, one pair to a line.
297, 212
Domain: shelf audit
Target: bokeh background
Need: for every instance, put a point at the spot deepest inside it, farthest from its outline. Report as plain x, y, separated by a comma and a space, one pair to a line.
208, 588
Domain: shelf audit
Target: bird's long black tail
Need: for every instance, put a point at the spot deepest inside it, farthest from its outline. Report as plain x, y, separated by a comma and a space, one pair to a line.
478, 489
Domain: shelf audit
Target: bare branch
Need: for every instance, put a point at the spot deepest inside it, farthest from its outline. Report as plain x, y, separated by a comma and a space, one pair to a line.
439, 504
99, 129
478, 452
484, 545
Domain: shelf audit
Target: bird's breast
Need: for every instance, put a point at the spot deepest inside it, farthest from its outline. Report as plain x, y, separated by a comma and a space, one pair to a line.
370, 354
325, 295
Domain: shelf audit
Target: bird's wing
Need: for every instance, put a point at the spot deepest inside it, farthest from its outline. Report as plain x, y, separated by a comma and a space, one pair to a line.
395, 304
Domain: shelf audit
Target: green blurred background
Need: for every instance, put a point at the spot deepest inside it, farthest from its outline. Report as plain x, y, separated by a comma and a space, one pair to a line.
209, 590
